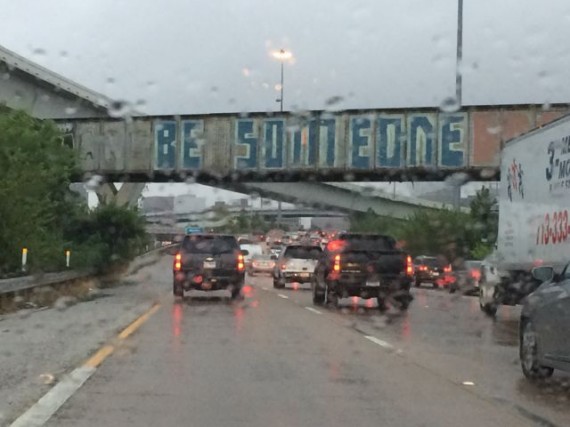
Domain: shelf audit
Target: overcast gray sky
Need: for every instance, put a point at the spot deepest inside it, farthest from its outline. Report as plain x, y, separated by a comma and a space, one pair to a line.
183, 56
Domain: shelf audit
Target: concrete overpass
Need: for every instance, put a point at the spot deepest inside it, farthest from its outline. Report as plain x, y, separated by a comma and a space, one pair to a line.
230, 149
344, 197
369, 145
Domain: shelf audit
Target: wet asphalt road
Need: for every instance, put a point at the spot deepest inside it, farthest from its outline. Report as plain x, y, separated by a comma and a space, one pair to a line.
271, 359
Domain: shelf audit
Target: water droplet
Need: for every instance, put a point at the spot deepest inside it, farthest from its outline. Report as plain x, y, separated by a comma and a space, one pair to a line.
457, 178
487, 173
39, 51
110, 80
265, 85
63, 302
94, 182
246, 72
70, 110
120, 109
63, 54
334, 100
6, 76
449, 105
495, 130
546, 106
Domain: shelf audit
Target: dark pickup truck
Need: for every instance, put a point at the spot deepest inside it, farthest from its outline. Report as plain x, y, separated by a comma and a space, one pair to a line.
366, 266
209, 262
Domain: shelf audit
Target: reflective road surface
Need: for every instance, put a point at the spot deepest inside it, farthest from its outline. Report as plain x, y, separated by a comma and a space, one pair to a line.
273, 359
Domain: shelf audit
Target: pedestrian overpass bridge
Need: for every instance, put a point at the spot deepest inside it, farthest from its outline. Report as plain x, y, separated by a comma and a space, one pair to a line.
296, 150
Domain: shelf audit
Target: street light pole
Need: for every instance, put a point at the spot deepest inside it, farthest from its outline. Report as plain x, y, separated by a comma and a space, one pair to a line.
458, 79
281, 87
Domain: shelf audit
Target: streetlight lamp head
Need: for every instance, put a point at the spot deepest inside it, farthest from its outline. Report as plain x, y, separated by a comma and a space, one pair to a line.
282, 54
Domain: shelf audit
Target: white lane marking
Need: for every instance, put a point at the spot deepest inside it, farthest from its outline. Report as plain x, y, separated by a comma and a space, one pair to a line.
43, 409
313, 310
282, 296
265, 289
378, 341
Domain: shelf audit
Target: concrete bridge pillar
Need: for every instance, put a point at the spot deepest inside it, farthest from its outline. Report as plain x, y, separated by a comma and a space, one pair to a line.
127, 195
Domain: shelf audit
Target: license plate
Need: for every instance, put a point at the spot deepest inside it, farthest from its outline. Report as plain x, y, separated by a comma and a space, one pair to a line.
435, 273
305, 274
374, 284
209, 264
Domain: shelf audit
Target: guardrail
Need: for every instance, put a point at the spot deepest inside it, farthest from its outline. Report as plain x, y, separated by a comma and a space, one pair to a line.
26, 283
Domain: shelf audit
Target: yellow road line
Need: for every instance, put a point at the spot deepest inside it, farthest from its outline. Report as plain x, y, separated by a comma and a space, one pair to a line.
98, 357
105, 351
138, 323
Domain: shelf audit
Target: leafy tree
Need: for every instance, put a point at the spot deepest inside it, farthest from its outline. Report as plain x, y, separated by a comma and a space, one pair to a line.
485, 218
35, 170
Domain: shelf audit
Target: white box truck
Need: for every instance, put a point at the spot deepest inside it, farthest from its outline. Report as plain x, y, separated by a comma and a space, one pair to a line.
534, 205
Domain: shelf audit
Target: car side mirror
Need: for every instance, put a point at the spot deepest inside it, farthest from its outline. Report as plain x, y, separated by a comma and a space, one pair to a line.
244, 252
543, 274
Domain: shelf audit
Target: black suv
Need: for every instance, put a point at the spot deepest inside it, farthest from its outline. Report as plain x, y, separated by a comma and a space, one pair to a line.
209, 262
363, 265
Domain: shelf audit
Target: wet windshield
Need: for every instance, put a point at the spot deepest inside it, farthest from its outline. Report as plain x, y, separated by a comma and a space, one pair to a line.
284, 213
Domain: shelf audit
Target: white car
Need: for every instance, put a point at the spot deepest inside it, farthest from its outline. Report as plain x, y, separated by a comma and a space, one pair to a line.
252, 249
296, 264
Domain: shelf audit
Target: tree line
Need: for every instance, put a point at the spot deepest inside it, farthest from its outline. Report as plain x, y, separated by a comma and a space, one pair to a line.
451, 233
39, 212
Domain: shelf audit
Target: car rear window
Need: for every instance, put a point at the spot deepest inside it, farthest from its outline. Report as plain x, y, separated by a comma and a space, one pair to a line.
209, 244
430, 262
303, 252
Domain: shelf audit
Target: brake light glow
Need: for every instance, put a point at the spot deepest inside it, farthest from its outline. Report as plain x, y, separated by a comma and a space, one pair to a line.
422, 268
336, 245
409, 266
240, 264
178, 262
447, 269
476, 274
336, 266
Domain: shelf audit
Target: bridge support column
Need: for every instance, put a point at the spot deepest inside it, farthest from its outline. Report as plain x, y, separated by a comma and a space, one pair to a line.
127, 195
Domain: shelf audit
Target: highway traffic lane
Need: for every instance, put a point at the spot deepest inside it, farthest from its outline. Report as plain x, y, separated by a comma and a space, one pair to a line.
38, 347
448, 334
266, 361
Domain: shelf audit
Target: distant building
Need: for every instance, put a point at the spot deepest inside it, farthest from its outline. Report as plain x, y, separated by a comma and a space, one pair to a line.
188, 203
158, 204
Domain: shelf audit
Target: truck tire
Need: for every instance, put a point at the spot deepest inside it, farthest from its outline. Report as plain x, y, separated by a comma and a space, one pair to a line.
318, 296
236, 292
177, 291
382, 306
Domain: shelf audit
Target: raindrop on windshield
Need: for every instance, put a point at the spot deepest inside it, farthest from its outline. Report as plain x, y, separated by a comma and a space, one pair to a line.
39, 51
94, 182
71, 110
449, 105
120, 109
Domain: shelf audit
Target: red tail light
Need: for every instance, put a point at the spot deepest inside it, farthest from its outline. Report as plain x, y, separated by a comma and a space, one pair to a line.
178, 262
476, 274
240, 264
422, 268
447, 269
409, 266
336, 266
